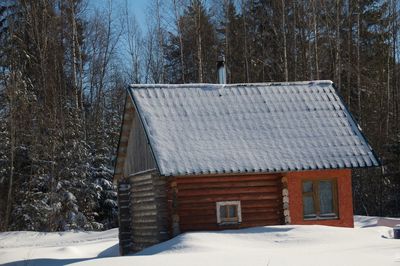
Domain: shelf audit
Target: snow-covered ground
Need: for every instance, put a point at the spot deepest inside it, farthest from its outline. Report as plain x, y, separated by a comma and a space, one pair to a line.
369, 243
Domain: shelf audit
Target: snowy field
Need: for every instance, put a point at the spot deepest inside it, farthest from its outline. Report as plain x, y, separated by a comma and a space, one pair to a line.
369, 243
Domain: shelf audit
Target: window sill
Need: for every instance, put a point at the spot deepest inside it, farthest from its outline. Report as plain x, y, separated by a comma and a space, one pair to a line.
321, 218
229, 223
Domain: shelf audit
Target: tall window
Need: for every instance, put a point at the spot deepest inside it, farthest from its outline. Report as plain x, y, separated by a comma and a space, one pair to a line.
320, 199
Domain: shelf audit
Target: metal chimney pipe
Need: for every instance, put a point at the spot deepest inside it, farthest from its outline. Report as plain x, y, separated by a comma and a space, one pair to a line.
221, 69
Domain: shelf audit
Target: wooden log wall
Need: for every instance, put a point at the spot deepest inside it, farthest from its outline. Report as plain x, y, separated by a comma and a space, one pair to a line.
150, 221
260, 197
124, 217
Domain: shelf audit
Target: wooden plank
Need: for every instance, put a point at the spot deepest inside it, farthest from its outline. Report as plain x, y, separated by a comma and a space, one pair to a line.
139, 156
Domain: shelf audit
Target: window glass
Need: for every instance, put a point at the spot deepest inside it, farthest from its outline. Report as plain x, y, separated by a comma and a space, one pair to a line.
222, 211
308, 206
307, 186
326, 198
232, 211
319, 199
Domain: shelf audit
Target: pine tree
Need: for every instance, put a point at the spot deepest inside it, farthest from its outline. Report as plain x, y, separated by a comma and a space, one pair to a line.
199, 46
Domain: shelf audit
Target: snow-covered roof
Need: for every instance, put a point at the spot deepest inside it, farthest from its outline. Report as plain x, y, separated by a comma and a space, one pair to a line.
237, 128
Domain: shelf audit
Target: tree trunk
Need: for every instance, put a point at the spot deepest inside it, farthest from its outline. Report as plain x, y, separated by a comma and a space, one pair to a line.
246, 52
12, 156
199, 44
358, 64
179, 30
295, 39
338, 67
315, 39
284, 42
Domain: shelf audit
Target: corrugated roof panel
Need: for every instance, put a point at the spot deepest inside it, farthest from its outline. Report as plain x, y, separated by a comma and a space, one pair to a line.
213, 128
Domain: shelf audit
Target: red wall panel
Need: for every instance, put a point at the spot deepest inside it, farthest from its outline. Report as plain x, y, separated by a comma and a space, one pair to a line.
345, 199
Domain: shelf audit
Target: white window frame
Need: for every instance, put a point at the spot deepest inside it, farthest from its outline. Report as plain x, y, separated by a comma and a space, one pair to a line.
224, 203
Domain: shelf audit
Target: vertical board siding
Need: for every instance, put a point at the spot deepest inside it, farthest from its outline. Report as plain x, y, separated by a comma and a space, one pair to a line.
149, 218
260, 197
139, 156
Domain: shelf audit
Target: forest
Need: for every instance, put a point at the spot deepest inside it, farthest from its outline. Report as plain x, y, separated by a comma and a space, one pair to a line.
64, 68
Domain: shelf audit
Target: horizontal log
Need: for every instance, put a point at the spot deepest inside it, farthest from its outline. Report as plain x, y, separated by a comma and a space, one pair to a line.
143, 194
145, 240
212, 211
141, 187
140, 198
124, 197
274, 203
203, 212
124, 187
256, 183
136, 224
228, 197
137, 179
249, 217
260, 211
144, 233
145, 227
143, 219
145, 213
213, 227
144, 206
126, 215
228, 178
240, 190
261, 217
196, 206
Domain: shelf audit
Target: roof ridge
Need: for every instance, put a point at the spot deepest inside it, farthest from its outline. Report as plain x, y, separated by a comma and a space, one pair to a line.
192, 85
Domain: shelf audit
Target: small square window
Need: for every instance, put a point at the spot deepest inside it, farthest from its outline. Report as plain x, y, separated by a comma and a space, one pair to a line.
229, 212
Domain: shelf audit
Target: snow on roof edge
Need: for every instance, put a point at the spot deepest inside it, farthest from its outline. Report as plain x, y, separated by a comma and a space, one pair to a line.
264, 171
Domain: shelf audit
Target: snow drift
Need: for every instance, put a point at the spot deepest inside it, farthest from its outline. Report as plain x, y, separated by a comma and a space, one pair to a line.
369, 243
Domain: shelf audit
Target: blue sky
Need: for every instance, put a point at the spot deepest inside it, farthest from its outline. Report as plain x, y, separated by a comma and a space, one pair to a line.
136, 7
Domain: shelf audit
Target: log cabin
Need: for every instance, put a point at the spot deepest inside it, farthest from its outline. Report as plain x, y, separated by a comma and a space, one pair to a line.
195, 157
